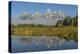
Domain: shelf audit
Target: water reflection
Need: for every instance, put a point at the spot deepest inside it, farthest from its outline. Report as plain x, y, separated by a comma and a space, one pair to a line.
25, 40
39, 40
41, 43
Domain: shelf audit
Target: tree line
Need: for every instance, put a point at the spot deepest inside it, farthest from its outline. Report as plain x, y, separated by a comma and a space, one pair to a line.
68, 21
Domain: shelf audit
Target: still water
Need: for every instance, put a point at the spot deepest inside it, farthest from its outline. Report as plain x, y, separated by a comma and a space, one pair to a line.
40, 43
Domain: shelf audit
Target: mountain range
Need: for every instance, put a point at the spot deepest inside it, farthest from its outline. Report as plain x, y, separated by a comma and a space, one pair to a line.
47, 14
47, 18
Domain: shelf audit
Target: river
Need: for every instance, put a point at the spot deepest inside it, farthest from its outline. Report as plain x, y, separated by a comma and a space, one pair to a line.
40, 43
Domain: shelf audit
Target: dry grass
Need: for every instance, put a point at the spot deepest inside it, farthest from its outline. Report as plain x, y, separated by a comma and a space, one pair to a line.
65, 32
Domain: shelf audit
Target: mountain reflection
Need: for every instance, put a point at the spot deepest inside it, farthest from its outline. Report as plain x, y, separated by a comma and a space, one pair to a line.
37, 41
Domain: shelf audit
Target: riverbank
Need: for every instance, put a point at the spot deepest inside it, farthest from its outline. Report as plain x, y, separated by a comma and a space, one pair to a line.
64, 32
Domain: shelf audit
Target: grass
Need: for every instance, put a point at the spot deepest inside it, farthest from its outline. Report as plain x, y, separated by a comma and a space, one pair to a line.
64, 32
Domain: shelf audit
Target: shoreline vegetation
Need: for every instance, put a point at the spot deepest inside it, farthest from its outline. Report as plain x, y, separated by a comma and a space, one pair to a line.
66, 28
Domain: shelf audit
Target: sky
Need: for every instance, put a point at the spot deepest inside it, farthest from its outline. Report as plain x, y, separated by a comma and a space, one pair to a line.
18, 8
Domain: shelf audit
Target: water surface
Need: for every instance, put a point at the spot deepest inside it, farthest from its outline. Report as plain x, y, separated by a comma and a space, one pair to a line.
40, 43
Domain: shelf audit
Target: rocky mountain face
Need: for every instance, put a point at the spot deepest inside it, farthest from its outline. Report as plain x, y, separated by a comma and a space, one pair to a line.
47, 14
47, 18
